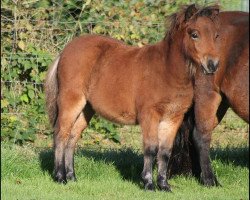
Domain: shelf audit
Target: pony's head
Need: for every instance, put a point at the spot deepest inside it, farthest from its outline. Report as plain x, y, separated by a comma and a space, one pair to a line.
199, 30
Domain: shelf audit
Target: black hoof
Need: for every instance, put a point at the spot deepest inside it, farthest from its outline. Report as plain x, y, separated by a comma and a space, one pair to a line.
210, 181
71, 176
149, 187
162, 184
165, 188
60, 179
217, 183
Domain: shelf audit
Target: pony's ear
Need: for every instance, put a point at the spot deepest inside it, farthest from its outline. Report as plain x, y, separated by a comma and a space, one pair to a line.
212, 11
190, 11
215, 11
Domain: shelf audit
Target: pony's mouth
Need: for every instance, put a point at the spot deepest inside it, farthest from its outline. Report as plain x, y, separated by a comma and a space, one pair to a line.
209, 70
205, 71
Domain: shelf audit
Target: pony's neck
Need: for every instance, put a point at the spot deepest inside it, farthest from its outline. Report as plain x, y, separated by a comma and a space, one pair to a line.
176, 62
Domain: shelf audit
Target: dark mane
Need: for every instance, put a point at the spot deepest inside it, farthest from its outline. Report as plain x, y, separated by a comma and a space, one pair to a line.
176, 20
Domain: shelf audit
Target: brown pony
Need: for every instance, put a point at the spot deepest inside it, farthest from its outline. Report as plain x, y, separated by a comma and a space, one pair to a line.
151, 86
228, 87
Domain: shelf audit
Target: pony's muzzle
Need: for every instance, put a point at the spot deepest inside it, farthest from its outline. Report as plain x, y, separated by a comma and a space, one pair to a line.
210, 66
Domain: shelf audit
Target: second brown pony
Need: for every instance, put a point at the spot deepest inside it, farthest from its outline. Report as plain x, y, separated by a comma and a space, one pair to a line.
229, 87
150, 86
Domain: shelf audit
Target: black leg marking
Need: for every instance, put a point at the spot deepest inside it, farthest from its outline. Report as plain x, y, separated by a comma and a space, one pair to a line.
147, 174
163, 159
202, 143
59, 170
69, 163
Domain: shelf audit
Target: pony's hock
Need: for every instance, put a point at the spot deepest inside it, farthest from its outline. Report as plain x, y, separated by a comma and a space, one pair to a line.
151, 86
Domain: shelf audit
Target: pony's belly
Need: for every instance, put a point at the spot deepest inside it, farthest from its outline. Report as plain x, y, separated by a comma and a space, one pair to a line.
125, 117
112, 96
114, 108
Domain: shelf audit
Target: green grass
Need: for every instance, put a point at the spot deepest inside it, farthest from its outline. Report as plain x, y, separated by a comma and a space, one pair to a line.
113, 174
112, 171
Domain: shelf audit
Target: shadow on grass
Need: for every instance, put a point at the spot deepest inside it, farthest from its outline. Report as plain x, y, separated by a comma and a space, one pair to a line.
237, 156
129, 162
46, 158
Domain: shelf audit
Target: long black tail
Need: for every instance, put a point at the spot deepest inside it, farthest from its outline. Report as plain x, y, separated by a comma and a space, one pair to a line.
184, 158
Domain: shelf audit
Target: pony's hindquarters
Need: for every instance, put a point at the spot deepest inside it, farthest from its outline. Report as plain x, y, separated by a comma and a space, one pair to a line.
68, 111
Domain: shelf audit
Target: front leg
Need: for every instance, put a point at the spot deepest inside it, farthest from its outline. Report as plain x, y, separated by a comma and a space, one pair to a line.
206, 120
167, 131
149, 123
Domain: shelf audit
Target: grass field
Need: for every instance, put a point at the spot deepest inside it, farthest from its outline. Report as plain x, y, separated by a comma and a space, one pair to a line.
113, 172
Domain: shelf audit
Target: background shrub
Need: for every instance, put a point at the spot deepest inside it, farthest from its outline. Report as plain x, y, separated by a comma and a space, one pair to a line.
34, 32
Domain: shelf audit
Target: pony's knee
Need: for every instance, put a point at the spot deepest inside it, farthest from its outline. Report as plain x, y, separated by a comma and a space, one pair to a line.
206, 120
206, 111
206, 127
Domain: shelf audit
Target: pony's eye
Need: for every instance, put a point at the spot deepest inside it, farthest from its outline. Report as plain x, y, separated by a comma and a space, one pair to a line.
194, 36
217, 35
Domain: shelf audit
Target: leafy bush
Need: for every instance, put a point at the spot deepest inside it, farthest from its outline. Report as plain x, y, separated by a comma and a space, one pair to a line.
32, 34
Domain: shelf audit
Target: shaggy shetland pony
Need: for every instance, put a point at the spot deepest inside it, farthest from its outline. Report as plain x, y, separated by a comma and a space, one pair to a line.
151, 86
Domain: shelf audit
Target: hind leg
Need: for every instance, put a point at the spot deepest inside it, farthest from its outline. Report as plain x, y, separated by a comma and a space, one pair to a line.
167, 131
149, 124
70, 105
80, 124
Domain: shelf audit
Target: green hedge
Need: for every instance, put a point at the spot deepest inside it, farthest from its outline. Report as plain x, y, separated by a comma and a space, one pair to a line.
32, 34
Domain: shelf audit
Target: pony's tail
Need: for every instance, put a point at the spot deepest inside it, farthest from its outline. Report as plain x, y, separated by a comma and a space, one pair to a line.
51, 91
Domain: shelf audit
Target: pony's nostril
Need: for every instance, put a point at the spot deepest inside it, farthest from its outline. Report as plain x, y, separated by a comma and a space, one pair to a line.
212, 65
